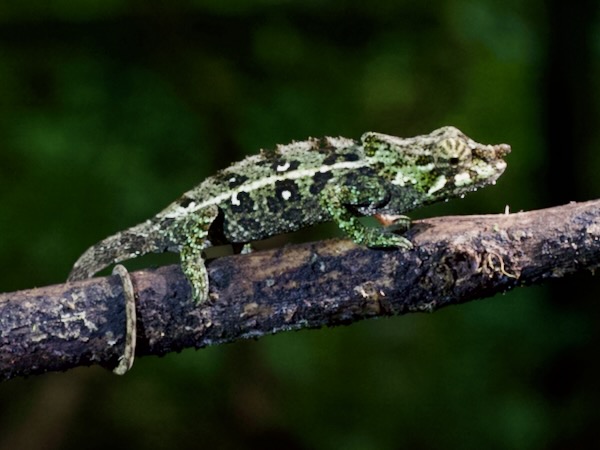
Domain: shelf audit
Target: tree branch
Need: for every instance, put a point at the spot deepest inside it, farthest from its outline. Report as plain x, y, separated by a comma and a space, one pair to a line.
456, 259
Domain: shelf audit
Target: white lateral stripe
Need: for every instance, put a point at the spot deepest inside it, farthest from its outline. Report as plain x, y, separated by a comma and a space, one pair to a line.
257, 184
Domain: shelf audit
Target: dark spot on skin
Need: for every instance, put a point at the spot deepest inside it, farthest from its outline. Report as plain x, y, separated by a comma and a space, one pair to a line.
340, 157
286, 193
236, 180
244, 203
424, 160
287, 185
331, 159
184, 202
274, 204
360, 176
224, 178
267, 163
350, 157
319, 181
293, 165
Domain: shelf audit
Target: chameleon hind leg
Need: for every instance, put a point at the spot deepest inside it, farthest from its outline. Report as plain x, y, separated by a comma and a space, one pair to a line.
193, 236
336, 198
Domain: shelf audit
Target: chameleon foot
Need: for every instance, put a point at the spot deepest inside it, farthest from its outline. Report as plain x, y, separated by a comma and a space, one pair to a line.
194, 269
126, 359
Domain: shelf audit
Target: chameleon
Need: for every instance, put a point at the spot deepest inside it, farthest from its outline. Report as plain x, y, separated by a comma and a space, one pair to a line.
294, 186
303, 183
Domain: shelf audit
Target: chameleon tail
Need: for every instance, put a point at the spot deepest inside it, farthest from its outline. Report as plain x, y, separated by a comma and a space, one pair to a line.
131, 243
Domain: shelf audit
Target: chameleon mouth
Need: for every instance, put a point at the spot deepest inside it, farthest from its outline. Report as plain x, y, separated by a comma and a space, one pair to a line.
491, 161
501, 151
486, 167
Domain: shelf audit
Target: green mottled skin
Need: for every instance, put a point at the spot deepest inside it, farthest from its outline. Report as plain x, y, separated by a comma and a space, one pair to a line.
304, 183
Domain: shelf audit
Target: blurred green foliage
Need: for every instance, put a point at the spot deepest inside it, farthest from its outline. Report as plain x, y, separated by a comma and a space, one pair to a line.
110, 109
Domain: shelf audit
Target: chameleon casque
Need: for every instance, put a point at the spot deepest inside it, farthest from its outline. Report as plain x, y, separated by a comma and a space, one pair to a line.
304, 183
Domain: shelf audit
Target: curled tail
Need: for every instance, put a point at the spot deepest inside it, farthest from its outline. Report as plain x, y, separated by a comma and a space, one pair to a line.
131, 243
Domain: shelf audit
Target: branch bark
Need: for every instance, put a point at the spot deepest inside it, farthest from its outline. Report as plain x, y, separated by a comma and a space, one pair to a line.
456, 259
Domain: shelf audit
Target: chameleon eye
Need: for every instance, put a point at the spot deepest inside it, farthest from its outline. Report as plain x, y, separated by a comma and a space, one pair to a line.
453, 151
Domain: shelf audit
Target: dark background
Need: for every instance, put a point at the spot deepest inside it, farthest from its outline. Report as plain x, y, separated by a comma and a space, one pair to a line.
110, 109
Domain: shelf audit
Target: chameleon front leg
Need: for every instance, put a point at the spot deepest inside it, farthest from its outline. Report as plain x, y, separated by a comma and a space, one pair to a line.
336, 199
193, 236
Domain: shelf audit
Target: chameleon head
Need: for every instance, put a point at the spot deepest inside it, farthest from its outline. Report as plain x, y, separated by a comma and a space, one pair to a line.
443, 164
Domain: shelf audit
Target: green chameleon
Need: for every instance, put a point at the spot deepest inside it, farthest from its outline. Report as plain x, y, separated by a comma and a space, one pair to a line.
304, 183
297, 185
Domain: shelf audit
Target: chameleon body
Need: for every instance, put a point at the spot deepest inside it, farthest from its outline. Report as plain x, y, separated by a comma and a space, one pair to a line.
304, 183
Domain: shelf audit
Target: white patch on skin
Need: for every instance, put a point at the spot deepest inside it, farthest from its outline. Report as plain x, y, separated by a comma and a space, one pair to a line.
462, 179
284, 167
286, 195
234, 199
400, 179
437, 185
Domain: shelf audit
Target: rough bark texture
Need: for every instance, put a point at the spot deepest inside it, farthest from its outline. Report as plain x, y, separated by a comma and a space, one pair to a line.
456, 259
